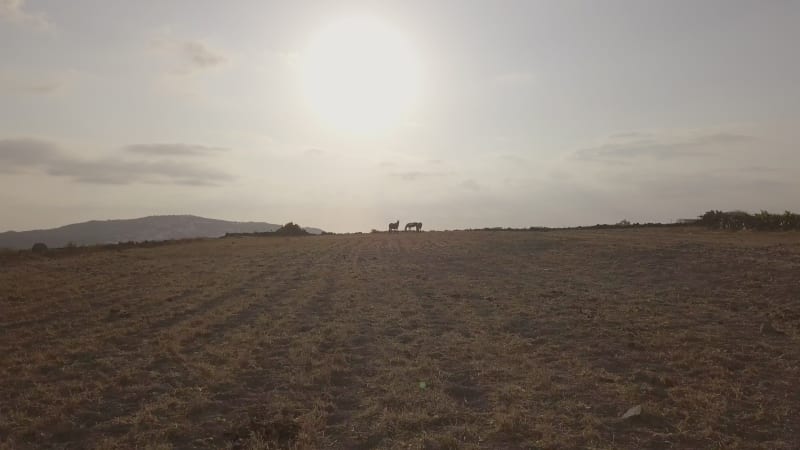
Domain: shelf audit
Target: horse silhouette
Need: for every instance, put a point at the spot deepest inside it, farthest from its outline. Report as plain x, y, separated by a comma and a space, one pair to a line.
413, 225
394, 226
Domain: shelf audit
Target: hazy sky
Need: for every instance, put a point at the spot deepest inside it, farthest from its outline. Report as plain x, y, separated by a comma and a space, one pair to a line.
521, 113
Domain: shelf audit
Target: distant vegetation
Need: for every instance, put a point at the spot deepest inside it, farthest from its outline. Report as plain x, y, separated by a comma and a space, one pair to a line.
740, 220
599, 226
290, 229
72, 249
717, 220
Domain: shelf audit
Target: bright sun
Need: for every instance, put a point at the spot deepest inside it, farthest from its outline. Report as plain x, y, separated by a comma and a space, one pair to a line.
360, 75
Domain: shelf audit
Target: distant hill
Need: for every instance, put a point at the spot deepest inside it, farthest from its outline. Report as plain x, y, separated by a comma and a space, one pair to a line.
153, 228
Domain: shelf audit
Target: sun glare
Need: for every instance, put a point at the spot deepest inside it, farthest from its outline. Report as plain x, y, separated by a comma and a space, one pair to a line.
360, 75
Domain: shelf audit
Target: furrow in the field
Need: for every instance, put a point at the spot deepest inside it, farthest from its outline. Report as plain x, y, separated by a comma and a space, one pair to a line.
235, 285
117, 316
136, 351
316, 344
474, 363
355, 333
220, 326
137, 284
395, 356
268, 321
173, 374
59, 302
76, 277
77, 333
104, 315
390, 244
90, 282
145, 360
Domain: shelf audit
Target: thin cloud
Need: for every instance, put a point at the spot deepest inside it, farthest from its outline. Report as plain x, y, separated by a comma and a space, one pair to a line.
200, 55
759, 169
630, 135
710, 184
30, 87
626, 146
34, 82
471, 185
187, 56
18, 155
113, 171
45, 87
173, 149
513, 159
414, 175
14, 11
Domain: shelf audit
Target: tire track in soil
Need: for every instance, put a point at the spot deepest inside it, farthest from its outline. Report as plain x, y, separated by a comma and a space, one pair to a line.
182, 315
124, 307
59, 317
453, 300
442, 307
348, 386
307, 314
255, 309
117, 408
90, 284
146, 272
96, 326
133, 338
132, 341
378, 332
443, 313
110, 405
253, 313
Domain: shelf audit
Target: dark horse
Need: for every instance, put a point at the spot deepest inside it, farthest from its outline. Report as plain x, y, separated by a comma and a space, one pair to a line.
395, 226
417, 225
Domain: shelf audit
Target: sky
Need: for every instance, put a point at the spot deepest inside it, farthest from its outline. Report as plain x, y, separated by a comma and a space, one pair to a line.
507, 113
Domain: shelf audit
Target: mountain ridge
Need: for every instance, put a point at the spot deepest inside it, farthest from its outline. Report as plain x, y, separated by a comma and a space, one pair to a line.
149, 228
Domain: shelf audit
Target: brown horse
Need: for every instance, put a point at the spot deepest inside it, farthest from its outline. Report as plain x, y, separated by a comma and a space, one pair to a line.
413, 225
395, 226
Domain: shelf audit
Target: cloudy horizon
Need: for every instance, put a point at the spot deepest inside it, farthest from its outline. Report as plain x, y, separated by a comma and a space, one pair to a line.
523, 113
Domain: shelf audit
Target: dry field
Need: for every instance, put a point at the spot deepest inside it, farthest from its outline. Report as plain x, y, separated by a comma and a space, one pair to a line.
522, 340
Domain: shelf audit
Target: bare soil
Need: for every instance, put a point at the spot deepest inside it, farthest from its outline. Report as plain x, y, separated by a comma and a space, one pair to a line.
435, 340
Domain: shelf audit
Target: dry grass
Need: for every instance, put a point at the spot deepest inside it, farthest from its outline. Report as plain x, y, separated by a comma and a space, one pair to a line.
523, 340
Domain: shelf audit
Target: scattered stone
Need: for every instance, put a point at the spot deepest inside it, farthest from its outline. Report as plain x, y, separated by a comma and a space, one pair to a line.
119, 313
633, 412
767, 328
